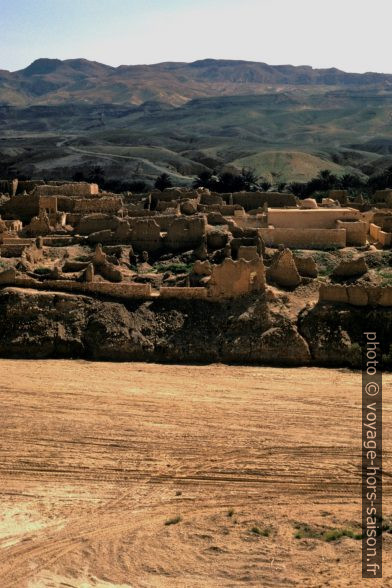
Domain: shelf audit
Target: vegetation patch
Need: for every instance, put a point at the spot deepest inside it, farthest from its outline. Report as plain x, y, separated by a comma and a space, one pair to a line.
261, 532
304, 531
326, 263
386, 277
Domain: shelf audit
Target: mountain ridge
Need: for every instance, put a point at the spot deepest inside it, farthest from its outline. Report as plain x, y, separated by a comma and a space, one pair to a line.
54, 81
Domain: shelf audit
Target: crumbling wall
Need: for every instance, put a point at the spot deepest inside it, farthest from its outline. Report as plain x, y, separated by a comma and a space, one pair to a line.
14, 247
77, 189
383, 196
123, 290
28, 185
163, 205
109, 205
356, 295
164, 221
235, 278
254, 200
249, 253
48, 204
340, 195
22, 207
58, 240
209, 199
304, 238
145, 234
185, 233
8, 277
9, 187
183, 293
92, 223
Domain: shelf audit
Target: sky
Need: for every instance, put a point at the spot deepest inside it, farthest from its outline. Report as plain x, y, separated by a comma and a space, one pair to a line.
353, 35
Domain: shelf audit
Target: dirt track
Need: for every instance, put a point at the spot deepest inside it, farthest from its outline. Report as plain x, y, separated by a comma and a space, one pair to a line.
96, 457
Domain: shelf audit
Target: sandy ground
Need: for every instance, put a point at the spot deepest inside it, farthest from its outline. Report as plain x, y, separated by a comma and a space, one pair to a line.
97, 457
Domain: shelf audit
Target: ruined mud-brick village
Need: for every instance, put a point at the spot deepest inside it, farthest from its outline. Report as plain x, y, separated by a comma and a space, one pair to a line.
186, 274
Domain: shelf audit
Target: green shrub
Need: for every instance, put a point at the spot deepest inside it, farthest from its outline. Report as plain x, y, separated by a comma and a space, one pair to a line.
304, 531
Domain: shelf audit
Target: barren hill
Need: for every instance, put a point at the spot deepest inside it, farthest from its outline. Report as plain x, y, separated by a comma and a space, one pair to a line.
60, 117
52, 81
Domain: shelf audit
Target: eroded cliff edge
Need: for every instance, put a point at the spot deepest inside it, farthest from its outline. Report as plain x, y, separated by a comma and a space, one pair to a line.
36, 324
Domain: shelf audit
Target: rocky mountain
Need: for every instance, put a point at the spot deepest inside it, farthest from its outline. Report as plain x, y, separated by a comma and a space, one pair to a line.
52, 81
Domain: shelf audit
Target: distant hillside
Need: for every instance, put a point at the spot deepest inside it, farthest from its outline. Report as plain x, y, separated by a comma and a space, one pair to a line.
286, 166
287, 123
52, 81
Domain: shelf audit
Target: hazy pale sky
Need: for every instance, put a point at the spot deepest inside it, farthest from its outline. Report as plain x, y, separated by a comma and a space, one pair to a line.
353, 35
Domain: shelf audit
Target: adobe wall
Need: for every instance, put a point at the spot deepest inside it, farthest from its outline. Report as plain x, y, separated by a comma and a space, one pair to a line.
77, 189
315, 218
65, 203
92, 223
28, 185
253, 200
164, 220
356, 232
382, 237
106, 204
139, 212
145, 234
304, 238
185, 233
235, 278
277, 199
121, 290
9, 186
12, 240
212, 198
8, 276
183, 293
356, 295
48, 203
12, 249
248, 252
172, 194
374, 231
377, 217
58, 240
22, 207
340, 195
383, 196
163, 205
229, 209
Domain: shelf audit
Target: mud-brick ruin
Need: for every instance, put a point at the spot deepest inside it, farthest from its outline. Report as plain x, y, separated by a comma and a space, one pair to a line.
185, 243
190, 275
